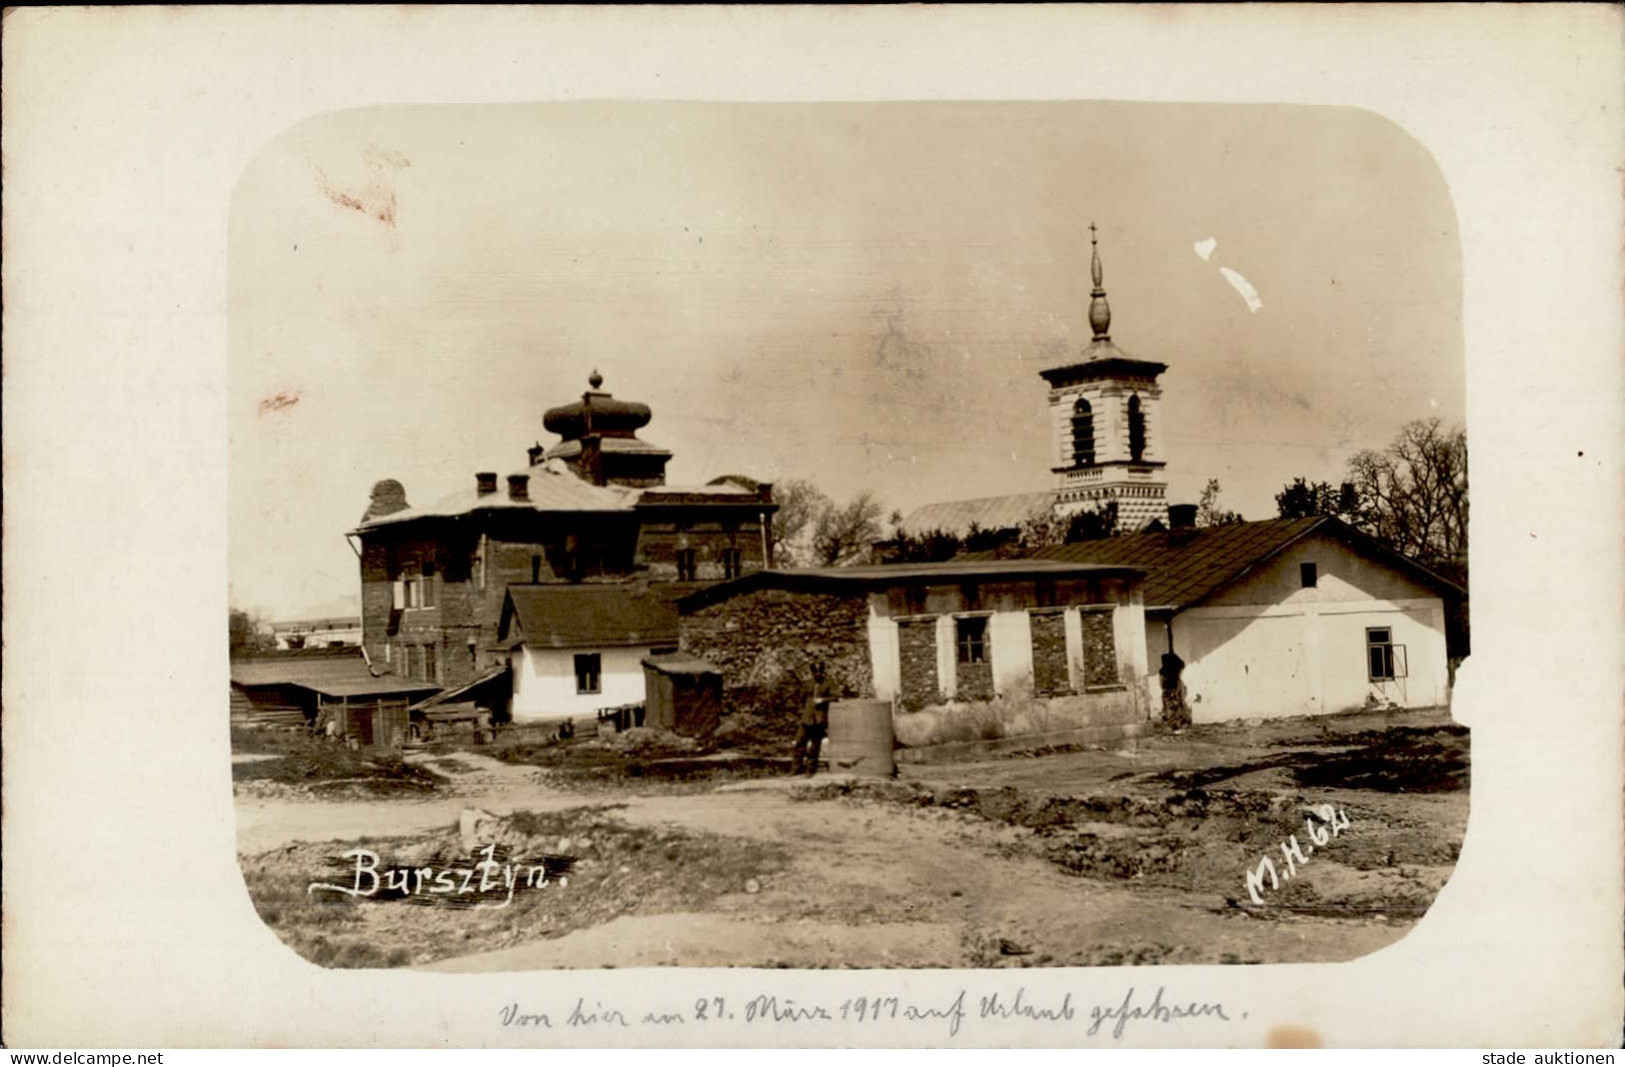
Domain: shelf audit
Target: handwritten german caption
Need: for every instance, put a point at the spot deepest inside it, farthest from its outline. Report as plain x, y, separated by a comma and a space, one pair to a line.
949, 1016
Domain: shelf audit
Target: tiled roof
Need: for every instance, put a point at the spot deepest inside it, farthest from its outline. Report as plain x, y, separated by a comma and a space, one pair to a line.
1182, 570
345, 675
300, 670
586, 616
988, 513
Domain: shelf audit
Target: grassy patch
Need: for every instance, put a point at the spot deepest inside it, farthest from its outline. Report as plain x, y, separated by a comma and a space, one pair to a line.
620, 869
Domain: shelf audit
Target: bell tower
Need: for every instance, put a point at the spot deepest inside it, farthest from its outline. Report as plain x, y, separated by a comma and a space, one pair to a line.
1106, 423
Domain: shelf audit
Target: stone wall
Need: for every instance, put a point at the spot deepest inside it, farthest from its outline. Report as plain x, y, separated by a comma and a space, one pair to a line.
1099, 650
917, 655
765, 641
1050, 674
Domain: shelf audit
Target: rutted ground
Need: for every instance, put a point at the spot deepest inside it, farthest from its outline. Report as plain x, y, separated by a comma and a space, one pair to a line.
1064, 858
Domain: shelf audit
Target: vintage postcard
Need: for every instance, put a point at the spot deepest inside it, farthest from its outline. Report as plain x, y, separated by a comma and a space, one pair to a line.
930, 558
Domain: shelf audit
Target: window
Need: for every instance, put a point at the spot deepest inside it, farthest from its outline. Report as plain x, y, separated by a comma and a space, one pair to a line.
1308, 575
535, 569
687, 564
970, 595
732, 563
431, 664
1136, 430
421, 654
428, 595
1044, 592
914, 600
399, 592
1379, 647
1083, 434
587, 673
972, 640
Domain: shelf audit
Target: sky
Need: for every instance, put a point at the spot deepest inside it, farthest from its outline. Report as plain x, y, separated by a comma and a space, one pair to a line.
861, 295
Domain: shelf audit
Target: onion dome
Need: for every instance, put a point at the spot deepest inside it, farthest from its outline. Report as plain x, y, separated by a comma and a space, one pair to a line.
598, 413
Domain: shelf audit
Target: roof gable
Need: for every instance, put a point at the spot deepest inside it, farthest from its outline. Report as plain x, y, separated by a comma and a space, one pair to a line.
585, 616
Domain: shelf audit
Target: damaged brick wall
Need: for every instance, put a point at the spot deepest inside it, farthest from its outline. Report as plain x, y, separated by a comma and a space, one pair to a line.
1099, 649
1050, 674
917, 655
974, 681
765, 641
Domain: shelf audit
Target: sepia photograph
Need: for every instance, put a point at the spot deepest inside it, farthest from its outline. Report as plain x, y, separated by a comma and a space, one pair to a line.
787, 527
874, 535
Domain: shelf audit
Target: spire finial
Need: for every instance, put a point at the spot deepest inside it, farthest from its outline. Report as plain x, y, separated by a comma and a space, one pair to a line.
1100, 312
595, 379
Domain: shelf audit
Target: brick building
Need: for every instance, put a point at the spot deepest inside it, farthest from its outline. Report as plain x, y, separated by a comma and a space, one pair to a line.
925, 634
594, 508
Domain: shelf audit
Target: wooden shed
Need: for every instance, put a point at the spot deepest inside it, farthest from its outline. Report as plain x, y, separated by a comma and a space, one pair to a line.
683, 693
372, 715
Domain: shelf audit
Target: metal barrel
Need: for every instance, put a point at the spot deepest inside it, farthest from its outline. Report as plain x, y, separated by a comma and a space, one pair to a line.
860, 738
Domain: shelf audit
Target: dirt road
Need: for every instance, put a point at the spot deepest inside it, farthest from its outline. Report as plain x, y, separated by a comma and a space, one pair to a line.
1069, 858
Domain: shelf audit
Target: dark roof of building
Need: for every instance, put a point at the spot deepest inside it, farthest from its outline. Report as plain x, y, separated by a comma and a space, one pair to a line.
988, 513
1185, 568
338, 676
493, 677
679, 663
308, 671
887, 575
586, 616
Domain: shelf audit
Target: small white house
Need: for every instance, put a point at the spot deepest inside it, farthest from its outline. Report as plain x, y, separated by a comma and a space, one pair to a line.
1285, 617
577, 649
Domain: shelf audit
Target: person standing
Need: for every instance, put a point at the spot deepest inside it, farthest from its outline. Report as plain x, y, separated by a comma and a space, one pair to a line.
1176, 713
814, 722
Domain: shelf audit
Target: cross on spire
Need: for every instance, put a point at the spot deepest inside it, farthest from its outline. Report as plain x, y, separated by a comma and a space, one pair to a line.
1100, 313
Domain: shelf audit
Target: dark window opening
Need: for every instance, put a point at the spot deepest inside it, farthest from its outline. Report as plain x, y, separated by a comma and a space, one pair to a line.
431, 664
588, 679
687, 564
1136, 430
970, 595
1045, 592
972, 640
535, 569
1380, 654
428, 579
1083, 434
733, 563
915, 599
1308, 575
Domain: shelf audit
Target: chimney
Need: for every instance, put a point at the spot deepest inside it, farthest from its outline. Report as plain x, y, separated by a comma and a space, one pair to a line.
1181, 516
764, 492
518, 487
487, 482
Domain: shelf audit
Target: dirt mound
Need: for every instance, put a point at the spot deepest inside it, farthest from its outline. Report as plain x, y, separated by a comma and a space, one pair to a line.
610, 868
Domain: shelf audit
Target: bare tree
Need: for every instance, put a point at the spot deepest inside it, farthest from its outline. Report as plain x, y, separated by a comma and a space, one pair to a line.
1208, 510
844, 535
1412, 496
800, 503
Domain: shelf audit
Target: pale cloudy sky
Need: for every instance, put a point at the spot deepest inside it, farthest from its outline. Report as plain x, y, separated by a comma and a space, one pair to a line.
857, 294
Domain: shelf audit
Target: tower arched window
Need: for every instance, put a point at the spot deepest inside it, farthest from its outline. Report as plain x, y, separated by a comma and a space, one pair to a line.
1083, 434
1136, 430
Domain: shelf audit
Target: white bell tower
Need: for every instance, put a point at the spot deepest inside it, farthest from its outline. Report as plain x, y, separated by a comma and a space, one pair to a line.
1106, 421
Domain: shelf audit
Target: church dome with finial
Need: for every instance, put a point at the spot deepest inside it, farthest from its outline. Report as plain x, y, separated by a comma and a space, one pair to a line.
598, 413
600, 439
